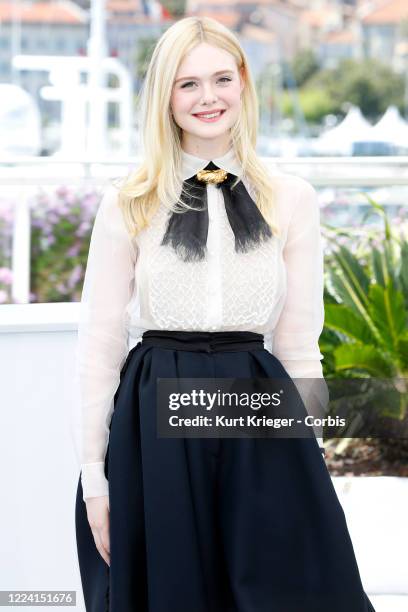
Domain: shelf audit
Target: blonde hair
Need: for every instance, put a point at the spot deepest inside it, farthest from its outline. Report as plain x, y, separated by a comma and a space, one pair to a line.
158, 178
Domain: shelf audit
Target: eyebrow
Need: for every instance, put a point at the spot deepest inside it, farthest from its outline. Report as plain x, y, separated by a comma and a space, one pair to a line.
194, 77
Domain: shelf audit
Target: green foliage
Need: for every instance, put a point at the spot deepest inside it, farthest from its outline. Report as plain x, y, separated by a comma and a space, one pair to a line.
176, 8
369, 84
366, 314
143, 54
304, 65
315, 104
61, 230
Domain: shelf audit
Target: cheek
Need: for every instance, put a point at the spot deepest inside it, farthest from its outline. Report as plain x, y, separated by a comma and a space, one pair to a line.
181, 102
233, 95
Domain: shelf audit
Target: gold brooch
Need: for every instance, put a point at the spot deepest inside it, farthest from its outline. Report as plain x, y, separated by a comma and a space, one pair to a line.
212, 176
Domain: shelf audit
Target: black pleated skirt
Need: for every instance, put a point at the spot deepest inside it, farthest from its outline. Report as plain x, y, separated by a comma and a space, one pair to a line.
213, 524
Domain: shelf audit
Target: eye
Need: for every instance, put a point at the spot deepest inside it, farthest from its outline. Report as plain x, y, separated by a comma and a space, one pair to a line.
192, 82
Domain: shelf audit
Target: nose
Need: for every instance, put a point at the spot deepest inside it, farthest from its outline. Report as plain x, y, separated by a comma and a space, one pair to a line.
208, 95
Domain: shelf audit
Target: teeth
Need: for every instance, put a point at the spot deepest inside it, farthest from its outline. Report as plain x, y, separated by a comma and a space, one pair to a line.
211, 116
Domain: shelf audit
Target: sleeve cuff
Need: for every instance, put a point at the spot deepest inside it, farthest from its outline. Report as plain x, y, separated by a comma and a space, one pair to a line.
93, 480
321, 446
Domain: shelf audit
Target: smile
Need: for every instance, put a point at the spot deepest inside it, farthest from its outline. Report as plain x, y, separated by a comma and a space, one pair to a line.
210, 117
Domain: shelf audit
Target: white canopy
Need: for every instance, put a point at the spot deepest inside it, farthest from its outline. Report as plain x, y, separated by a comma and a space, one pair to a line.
20, 122
391, 128
339, 140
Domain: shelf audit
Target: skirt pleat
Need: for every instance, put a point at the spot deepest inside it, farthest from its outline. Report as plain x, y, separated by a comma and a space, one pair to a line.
214, 524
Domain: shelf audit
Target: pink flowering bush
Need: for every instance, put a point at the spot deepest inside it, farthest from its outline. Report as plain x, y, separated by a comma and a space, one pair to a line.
6, 275
61, 230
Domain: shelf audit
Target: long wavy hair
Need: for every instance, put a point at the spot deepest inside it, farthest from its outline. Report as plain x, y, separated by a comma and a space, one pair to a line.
158, 178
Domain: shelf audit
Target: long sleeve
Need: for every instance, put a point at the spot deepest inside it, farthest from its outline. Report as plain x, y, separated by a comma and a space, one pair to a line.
102, 335
296, 335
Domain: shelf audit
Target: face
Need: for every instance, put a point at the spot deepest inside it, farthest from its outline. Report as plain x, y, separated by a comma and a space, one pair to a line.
207, 81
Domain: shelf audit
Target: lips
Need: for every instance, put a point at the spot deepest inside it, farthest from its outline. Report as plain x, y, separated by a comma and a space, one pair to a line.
216, 110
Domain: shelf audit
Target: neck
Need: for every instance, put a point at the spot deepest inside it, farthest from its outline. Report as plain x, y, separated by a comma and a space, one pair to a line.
206, 149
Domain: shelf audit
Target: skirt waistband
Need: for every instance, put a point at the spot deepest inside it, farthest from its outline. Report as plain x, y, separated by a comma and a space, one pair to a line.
209, 342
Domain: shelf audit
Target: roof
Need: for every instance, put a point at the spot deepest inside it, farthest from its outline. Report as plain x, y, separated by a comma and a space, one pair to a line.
318, 18
340, 37
229, 18
58, 12
385, 11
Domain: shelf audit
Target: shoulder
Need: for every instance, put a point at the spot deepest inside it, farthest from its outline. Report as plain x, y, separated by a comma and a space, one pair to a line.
296, 202
110, 211
109, 202
295, 195
292, 184
303, 194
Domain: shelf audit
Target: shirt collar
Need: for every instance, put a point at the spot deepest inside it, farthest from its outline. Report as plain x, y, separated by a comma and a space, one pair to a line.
192, 164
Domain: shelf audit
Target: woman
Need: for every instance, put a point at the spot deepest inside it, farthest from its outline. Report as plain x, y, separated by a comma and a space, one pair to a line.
208, 524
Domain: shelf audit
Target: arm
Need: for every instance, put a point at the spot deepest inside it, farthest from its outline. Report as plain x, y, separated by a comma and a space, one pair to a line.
102, 335
296, 335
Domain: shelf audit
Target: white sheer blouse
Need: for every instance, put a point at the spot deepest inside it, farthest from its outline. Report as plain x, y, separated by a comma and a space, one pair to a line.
132, 285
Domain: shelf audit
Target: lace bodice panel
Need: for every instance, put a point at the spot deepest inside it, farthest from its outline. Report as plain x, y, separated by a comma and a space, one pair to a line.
226, 291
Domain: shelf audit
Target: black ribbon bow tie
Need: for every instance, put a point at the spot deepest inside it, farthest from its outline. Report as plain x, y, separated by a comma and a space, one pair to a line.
187, 231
